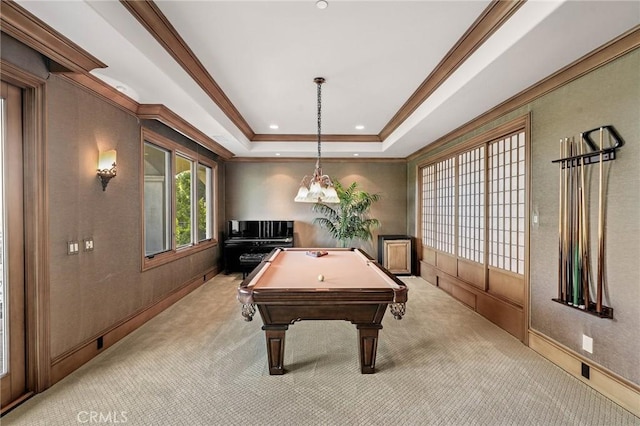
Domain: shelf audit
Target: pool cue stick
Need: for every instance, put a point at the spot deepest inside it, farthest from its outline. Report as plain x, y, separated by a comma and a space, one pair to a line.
577, 282
565, 166
571, 229
579, 266
569, 253
567, 224
584, 234
574, 224
579, 230
600, 229
560, 233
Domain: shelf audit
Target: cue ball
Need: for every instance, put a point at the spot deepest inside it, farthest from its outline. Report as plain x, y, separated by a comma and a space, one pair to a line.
320, 277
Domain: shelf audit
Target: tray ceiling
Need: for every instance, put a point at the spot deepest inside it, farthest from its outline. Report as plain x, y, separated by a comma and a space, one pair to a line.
408, 71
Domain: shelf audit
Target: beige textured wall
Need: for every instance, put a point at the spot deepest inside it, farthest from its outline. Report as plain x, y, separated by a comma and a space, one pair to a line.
92, 291
265, 190
608, 95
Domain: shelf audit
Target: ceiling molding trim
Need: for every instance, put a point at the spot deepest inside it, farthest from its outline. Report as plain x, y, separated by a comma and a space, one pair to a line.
164, 115
147, 111
314, 138
605, 54
492, 18
31, 31
150, 16
307, 159
108, 93
18, 77
510, 127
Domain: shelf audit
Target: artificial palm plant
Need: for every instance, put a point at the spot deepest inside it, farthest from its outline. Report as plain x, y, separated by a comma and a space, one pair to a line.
348, 220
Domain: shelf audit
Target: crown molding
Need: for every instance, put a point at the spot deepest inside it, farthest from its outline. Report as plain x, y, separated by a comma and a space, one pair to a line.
17, 76
31, 31
605, 54
166, 116
492, 18
325, 160
150, 16
147, 111
96, 86
314, 138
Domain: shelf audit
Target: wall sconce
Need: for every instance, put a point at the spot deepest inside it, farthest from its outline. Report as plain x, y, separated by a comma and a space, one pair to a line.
107, 167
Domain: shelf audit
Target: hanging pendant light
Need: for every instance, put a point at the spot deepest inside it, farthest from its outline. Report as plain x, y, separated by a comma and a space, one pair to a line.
317, 188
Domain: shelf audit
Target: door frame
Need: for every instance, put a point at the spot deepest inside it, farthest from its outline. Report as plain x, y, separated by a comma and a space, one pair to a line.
36, 228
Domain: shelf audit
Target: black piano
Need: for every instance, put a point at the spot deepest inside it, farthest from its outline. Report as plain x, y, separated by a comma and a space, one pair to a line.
253, 236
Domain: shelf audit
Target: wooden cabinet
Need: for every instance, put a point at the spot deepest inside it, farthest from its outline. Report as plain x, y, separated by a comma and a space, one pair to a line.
395, 253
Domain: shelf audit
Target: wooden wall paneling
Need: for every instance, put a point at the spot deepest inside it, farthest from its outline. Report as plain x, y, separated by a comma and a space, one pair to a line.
504, 314
472, 273
428, 273
507, 285
71, 360
444, 284
447, 263
465, 296
429, 255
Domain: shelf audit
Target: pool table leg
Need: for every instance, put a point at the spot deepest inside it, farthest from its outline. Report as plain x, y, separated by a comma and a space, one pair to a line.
368, 336
275, 347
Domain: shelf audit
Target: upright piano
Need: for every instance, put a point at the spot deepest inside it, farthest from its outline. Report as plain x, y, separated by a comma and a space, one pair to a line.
254, 236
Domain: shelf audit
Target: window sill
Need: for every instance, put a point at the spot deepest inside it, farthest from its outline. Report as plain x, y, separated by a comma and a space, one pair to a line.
176, 254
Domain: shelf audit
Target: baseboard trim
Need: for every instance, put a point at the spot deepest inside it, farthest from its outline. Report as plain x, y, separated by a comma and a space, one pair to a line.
65, 364
14, 404
614, 387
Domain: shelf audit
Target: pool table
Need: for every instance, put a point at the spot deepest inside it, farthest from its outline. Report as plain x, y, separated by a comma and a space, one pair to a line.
295, 284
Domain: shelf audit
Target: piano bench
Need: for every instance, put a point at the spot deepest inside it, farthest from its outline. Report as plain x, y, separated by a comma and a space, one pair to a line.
248, 261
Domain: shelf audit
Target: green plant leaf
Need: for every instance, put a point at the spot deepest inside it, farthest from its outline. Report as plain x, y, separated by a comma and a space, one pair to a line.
349, 220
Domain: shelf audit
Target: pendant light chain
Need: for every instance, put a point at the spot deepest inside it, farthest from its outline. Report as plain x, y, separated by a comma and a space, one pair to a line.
319, 82
318, 188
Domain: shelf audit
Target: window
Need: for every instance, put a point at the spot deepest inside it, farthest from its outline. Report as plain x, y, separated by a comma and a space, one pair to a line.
429, 206
205, 204
445, 204
507, 203
157, 200
184, 197
473, 204
178, 211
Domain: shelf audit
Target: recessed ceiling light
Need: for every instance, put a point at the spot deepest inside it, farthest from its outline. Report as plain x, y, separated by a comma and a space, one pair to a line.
121, 88
359, 127
356, 155
274, 126
322, 4
277, 154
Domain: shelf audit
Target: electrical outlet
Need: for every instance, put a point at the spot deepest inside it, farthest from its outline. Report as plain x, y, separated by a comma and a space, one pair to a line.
586, 371
73, 247
88, 244
587, 343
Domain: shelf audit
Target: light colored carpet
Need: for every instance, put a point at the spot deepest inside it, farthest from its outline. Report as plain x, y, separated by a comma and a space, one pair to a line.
199, 363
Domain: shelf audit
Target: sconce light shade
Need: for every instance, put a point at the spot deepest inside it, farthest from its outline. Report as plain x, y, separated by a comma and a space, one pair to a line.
106, 167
